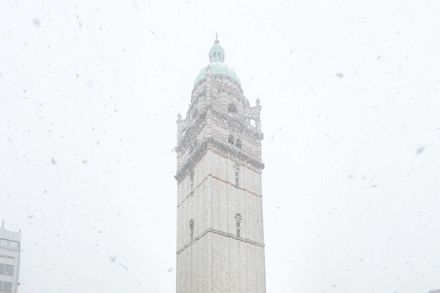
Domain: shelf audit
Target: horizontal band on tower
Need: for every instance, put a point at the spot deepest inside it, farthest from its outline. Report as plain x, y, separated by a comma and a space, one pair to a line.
201, 150
221, 233
219, 179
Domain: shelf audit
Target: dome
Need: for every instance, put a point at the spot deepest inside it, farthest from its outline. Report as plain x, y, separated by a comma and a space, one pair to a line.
217, 68
217, 65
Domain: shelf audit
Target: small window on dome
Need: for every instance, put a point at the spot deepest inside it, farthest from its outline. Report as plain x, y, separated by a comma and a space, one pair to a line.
232, 108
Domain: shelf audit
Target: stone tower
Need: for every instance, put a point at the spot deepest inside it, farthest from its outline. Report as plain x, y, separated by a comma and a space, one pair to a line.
220, 243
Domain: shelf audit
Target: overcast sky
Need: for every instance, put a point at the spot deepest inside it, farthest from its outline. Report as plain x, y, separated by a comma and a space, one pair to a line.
350, 94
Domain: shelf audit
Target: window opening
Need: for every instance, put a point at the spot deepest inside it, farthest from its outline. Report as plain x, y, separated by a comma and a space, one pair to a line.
191, 229
238, 225
237, 174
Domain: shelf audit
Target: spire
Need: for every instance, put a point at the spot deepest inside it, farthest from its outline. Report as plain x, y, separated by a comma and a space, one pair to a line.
216, 54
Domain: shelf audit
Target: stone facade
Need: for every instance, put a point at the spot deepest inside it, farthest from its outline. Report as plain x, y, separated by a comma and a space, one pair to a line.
220, 242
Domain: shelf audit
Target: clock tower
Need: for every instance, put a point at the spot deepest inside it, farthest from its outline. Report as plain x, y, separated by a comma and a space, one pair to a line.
220, 242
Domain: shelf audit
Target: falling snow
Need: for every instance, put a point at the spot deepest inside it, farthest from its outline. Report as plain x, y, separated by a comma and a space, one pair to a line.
350, 105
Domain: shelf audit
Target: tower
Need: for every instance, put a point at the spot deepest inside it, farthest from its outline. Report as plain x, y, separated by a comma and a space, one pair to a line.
220, 243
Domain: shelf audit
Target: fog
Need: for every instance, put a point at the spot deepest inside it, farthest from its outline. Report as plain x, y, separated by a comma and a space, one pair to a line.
350, 96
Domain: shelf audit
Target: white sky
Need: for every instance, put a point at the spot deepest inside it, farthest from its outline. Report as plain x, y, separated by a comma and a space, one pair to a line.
350, 90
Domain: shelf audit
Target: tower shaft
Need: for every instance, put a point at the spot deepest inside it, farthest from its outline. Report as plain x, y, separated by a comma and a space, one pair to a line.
220, 241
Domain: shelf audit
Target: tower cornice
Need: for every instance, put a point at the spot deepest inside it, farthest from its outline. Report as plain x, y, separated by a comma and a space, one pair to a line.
223, 148
227, 121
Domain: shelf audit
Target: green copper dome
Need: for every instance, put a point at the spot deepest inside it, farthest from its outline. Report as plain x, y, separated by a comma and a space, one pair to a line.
217, 65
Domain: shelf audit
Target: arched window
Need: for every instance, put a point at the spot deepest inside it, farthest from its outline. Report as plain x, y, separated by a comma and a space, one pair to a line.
231, 139
238, 143
191, 229
237, 225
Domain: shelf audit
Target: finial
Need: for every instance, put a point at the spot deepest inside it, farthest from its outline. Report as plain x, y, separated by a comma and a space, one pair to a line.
216, 38
179, 116
257, 102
